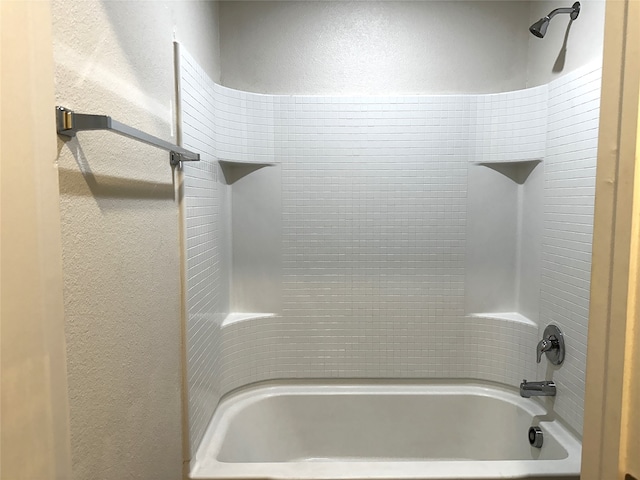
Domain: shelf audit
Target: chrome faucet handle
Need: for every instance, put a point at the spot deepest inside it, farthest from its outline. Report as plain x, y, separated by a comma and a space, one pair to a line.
545, 345
552, 344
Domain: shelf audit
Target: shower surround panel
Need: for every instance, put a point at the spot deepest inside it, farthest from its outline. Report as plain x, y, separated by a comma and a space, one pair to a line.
207, 220
373, 234
569, 193
373, 215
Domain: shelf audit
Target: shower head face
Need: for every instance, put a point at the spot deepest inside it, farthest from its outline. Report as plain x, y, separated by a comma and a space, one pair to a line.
540, 27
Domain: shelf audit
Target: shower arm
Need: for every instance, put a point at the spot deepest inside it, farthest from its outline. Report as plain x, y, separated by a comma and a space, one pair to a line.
573, 10
560, 10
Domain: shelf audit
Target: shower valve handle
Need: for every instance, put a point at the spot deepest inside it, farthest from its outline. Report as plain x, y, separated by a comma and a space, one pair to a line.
552, 344
545, 345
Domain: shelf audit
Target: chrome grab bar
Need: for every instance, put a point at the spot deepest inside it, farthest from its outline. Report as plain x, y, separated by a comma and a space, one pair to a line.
68, 123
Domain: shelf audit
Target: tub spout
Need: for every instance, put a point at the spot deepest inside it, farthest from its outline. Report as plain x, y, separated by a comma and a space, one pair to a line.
537, 389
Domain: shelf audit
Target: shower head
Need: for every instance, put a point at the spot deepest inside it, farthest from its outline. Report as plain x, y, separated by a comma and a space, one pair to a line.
540, 27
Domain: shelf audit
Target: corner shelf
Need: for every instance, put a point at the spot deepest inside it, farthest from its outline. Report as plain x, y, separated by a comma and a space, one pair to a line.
508, 316
236, 317
516, 170
235, 170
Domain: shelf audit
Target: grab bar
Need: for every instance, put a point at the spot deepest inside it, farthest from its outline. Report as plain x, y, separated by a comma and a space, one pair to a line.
68, 123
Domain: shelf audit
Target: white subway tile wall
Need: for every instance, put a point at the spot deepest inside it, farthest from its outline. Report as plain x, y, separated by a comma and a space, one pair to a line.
569, 192
510, 126
373, 219
373, 237
207, 226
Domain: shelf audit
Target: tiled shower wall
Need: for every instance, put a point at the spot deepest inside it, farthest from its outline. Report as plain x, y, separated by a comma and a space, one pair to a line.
374, 209
569, 192
207, 225
217, 123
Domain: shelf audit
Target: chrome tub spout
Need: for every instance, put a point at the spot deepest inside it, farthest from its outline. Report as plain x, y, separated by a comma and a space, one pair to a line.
537, 389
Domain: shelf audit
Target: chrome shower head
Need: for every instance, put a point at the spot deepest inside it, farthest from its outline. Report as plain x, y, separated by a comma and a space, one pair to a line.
540, 27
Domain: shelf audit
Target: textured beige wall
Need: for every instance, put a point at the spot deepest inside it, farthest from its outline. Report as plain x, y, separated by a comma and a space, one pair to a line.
34, 435
565, 46
120, 232
374, 47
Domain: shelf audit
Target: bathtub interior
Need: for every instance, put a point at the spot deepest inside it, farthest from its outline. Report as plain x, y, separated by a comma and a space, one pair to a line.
460, 429
328, 426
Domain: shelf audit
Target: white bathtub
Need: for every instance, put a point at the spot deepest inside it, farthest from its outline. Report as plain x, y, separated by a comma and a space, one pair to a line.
466, 431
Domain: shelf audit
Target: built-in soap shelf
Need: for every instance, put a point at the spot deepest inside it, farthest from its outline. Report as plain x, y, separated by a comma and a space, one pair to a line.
516, 170
508, 316
234, 170
236, 317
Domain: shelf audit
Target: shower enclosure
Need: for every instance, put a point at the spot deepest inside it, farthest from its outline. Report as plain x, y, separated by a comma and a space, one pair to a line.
387, 239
